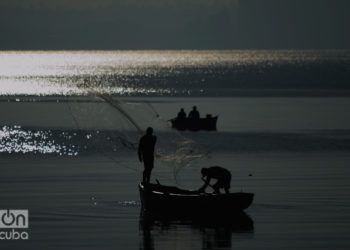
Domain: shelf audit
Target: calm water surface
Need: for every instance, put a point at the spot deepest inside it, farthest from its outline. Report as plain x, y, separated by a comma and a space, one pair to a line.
69, 157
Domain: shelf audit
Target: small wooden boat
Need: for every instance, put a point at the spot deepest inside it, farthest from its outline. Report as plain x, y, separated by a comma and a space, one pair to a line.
208, 123
165, 200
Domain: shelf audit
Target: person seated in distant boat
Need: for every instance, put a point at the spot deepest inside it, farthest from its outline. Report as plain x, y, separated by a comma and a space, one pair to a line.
194, 114
146, 153
222, 175
181, 115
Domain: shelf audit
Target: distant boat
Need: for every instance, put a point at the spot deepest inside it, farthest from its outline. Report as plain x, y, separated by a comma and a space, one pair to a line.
165, 200
208, 123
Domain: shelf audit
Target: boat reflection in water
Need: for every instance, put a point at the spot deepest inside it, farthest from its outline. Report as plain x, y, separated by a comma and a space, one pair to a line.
212, 232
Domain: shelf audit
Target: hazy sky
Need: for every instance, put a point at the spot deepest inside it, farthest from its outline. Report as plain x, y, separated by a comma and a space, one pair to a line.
174, 24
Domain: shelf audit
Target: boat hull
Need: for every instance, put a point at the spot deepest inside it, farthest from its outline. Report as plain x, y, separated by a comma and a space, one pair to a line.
165, 200
208, 124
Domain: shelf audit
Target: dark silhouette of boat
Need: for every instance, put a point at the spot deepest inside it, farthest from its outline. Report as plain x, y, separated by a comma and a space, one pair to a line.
208, 123
165, 200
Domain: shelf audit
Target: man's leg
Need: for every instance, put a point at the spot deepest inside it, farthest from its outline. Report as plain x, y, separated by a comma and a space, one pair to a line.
148, 174
144, 176
216, 188
148, 170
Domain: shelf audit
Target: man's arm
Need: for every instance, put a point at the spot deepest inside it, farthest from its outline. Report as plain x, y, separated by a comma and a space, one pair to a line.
206, 184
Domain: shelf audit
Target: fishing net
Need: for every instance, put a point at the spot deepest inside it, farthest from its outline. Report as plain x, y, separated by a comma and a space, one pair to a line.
122, 122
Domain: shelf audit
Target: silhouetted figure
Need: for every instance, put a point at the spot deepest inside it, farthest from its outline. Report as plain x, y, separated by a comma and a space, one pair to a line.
181, 115
194, 114
222, 175
146, 153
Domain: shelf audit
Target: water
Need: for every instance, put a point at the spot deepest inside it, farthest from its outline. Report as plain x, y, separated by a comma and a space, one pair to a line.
69, 157
176, 73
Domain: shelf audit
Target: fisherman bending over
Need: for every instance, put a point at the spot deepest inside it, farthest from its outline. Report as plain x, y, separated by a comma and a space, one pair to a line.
222, 175
146, 153
194, 114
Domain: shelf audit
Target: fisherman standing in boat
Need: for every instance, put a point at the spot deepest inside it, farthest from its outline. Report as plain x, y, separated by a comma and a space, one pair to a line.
146, 153
221, 174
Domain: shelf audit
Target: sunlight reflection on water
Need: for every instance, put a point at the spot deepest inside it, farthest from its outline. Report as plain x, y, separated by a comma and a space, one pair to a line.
164, 73
17, 140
